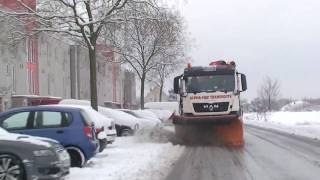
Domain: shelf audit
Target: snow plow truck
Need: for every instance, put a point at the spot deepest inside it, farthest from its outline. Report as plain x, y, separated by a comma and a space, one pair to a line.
209, 100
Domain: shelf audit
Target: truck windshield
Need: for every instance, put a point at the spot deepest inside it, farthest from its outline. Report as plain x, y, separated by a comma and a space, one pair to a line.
212, 83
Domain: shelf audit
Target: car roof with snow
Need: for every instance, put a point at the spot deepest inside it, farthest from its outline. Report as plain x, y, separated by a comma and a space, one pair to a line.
97, 117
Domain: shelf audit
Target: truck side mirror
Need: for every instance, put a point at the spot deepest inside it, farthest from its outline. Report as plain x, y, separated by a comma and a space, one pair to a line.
243, 82
176, 85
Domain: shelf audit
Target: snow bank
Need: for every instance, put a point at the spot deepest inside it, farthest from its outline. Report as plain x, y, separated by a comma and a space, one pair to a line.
129, 159
159, 134
300, 123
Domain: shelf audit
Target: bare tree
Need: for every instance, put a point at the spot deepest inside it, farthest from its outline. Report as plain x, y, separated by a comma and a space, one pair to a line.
161, 73
81, 19
146, 44
269, 93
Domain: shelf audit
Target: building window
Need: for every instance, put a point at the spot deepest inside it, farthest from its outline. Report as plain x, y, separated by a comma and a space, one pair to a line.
7, 70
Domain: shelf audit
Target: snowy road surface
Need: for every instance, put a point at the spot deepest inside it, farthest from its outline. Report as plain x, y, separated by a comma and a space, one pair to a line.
266, 155
130, 158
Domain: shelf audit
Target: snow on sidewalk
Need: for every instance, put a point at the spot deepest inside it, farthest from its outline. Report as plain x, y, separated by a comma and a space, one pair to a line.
131, 159
299, 123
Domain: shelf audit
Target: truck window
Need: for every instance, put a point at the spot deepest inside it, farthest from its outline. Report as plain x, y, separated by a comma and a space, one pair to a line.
211, 83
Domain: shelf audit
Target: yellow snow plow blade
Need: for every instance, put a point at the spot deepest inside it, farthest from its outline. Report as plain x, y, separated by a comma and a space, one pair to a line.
222, 130
230, 134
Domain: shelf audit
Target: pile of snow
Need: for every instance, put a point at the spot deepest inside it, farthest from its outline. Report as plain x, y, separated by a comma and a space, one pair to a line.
129, 159
160, 134
300, 106
295, 106
300, 123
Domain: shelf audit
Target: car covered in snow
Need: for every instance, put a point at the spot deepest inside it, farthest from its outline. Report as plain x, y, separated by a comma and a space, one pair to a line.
105, 127
145, 114
27, 157
162, 114
125, 124
70, 126
144, 122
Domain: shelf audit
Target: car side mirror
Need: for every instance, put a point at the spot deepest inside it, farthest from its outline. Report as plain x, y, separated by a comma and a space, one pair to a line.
243, 82
176, 85
5, 125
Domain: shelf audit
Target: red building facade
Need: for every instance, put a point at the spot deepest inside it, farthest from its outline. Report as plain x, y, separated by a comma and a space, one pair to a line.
32, 60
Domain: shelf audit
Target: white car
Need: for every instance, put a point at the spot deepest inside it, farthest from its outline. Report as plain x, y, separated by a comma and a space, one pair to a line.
126, 124
162, 114
147, 115
144, 117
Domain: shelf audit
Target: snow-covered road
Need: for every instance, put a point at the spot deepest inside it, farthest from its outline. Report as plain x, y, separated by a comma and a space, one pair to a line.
133, 158
274, 149
267, 154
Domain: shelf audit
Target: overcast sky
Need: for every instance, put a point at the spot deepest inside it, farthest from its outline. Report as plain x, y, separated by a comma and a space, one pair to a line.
278, 38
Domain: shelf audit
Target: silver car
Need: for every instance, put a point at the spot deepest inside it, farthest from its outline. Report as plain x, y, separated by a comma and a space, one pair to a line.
27, 157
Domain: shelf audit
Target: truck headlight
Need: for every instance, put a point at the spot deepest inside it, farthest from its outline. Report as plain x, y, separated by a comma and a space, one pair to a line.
43, 153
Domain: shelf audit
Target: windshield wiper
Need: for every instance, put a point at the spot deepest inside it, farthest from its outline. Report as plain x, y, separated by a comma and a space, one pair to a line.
196, 92
211, 91
223, 90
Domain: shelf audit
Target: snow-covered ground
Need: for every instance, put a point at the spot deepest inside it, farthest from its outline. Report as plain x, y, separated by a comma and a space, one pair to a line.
299, 123
135, 158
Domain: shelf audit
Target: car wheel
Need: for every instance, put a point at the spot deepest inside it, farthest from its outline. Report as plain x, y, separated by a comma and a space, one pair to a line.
76, 156
103, 144
11, 167
126, 132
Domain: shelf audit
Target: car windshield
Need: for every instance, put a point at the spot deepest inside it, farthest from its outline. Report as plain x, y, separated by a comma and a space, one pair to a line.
210, 83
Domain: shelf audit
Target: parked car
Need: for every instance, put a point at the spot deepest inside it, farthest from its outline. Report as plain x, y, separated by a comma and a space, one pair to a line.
25, 157
111, 132
145, 114
105, 127
162, 114
125, 124
70, 126
143, 122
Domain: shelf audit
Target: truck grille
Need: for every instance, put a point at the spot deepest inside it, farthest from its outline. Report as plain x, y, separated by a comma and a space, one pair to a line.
211, 107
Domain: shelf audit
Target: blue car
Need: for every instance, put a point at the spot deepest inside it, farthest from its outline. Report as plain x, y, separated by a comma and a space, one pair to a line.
70, 126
